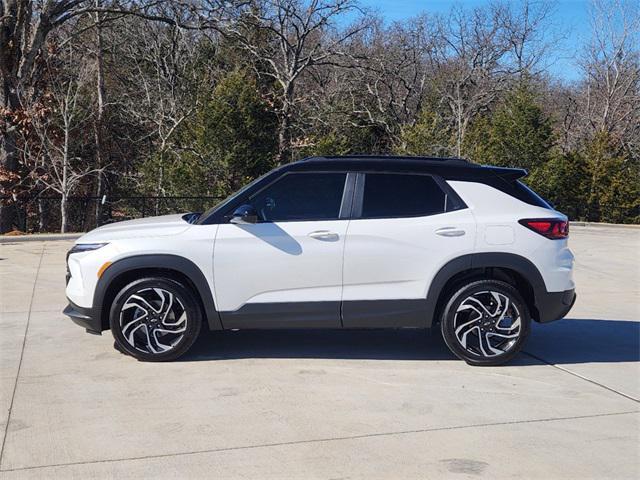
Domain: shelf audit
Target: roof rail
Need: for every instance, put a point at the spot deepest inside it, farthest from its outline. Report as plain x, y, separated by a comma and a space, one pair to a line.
388, 157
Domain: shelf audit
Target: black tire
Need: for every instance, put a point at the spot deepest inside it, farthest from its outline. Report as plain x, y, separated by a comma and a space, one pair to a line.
482, 337
181, 332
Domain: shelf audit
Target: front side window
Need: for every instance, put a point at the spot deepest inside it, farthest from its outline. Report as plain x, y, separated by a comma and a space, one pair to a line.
301, 196
401, 195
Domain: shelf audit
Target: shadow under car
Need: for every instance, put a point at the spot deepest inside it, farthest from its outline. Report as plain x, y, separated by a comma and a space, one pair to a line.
567, 341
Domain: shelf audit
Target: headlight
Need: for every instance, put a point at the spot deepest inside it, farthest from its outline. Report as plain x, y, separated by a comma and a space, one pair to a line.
85, 247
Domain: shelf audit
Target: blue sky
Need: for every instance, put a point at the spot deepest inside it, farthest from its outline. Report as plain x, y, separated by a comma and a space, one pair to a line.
571, 19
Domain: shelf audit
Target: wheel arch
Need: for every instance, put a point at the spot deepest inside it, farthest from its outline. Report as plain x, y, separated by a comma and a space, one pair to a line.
128, 269
514, 269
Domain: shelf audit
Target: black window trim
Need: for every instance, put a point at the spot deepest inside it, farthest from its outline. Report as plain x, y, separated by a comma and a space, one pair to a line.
346, 206
220, 214
351, 207
453, 202
345, 203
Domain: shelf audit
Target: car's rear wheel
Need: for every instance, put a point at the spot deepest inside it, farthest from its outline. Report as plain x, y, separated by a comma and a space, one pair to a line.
155, 319
485, 322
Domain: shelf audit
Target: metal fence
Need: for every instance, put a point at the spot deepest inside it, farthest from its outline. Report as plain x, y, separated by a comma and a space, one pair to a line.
43, 214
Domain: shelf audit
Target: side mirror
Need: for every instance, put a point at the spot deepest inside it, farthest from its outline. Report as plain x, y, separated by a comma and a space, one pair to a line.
244, 215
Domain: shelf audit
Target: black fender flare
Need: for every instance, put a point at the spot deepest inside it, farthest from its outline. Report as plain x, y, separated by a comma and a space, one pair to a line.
160, 261
510, 261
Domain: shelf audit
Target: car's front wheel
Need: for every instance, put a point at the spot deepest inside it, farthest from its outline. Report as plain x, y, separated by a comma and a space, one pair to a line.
485, 322
155, 319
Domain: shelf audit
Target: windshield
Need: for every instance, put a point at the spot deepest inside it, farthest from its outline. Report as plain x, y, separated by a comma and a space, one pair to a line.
229, 198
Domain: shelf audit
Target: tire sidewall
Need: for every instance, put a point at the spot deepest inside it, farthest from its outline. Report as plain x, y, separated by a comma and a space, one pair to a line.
189, 302
459, 295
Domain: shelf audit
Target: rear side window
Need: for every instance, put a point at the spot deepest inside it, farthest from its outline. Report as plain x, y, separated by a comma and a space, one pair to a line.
519, 190
301, 196
401, 195
527, 195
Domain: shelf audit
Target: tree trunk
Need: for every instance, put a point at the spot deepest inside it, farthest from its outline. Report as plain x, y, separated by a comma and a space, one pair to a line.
99, 124
9, 157
284, 137
64, 208
42, 212
459, 122
64, 190
160, 183
283, 140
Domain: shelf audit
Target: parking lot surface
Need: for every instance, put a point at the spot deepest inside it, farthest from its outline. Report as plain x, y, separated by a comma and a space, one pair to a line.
323, 404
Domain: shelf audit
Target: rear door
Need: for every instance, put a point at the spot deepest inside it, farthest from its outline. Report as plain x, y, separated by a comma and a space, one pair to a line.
286, 270
405, 228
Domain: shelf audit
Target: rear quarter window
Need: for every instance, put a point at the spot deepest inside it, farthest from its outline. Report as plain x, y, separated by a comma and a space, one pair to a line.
517, 189
527, 195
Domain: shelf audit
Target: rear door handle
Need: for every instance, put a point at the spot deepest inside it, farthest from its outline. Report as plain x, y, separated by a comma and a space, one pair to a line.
450, 232
324, 235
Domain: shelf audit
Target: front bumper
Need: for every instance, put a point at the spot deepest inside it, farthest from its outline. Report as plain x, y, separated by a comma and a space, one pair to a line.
84, 317
554, 305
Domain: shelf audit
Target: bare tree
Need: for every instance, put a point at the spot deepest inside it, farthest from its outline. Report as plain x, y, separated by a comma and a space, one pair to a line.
468, 64
287, 37
611, 65
130, 86
99, 128
476, 54
53, 150
525, 26
162, 88
388, 74
25, 26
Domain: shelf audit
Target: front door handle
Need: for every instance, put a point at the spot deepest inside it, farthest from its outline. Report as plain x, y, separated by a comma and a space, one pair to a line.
450, 232
324, 235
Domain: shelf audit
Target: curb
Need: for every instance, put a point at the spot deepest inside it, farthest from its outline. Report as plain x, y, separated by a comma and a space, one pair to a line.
604, 225
40, 237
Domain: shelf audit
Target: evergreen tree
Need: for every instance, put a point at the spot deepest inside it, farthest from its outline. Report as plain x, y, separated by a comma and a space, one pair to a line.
230, 140
241, 128
477, 141
614, 190
520, 134
238, 130
429, 136
564, 182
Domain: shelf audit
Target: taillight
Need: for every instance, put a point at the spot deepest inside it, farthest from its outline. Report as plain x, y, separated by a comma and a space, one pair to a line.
552, 228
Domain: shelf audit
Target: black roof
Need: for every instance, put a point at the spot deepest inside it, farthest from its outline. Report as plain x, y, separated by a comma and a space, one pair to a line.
393, 158
449, 168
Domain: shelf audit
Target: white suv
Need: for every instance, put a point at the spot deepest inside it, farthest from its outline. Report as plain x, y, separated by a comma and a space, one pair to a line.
335, 242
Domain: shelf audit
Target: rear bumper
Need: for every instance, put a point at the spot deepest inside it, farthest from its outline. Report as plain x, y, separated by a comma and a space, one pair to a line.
554, 305
84, 317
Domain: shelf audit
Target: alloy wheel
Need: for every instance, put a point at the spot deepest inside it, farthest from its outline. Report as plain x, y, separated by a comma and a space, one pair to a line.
487, 323
153, 320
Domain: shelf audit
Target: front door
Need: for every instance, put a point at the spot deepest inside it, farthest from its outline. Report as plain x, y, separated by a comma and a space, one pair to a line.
285, 270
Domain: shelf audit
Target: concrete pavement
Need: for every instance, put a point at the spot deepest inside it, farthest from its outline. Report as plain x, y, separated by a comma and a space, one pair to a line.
294, 404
